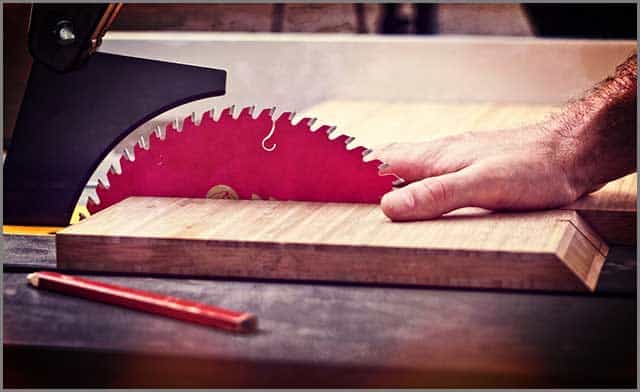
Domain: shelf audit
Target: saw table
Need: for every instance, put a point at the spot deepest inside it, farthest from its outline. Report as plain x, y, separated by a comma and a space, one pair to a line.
320, 335
315, 334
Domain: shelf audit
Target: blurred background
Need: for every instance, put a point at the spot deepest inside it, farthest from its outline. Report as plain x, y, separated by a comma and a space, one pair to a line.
601, 21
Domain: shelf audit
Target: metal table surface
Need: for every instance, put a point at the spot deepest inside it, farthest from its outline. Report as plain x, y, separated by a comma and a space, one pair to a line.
320, 334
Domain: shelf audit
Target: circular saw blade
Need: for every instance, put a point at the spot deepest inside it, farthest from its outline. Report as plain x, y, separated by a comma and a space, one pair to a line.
246, 158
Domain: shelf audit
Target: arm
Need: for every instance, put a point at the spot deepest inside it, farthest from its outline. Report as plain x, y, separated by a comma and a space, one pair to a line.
550, 164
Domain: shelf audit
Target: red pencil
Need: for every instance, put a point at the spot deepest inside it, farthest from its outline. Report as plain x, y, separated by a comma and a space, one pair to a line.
145, 301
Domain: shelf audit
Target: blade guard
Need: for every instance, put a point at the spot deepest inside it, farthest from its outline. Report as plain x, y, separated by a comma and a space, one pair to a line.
246, 158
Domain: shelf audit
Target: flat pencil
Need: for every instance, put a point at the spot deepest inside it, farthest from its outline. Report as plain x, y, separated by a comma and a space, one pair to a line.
145, 301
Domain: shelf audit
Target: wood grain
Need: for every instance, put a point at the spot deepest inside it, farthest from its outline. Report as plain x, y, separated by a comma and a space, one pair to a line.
611, 211
335, 242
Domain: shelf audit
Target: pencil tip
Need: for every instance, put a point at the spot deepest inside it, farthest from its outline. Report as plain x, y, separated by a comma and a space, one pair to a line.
249, 323
33, 278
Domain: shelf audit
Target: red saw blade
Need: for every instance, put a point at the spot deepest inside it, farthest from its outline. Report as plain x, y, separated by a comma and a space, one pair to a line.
245, 158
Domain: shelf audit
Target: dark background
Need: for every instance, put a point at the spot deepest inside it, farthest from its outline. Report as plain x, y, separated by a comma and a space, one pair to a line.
607, 21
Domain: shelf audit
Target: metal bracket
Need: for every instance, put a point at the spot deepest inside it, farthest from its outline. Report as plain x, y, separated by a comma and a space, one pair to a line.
68, 123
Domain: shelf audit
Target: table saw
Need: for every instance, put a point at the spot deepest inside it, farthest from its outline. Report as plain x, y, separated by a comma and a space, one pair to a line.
333, 311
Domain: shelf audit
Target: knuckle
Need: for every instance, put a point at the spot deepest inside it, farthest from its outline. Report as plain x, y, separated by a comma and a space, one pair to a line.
410, 199
435, 191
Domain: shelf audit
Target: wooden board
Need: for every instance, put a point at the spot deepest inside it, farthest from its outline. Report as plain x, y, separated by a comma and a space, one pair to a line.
553, 250
611, 211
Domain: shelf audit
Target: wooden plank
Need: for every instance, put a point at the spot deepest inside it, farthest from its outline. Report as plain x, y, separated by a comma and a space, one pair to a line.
611, 211
335, 242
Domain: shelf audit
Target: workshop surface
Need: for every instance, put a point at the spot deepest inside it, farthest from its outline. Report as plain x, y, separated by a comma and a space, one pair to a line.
320, 334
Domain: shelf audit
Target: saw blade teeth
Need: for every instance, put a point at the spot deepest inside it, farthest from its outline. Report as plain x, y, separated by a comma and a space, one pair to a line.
143, 142
383, 166
304, 122
226, 113
367, 152
232, 110
277, 114
195, 119
129, 154
248, 110
188, 121
115, 169
93, 198
265, 112
117, 163
283, 116
111, 188
398, 182
212, 114
254, 113
103, 182
177, 126
159, 131
321, 128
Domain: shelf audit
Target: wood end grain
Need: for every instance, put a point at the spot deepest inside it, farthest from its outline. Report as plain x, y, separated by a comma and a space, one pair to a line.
582, 251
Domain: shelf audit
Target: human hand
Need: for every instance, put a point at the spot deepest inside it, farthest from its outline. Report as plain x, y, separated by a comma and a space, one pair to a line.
508, 169
550, 164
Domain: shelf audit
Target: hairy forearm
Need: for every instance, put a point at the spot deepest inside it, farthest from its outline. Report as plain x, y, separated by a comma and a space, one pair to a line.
596, 135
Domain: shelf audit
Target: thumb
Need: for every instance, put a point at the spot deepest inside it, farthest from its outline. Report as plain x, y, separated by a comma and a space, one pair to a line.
431, 197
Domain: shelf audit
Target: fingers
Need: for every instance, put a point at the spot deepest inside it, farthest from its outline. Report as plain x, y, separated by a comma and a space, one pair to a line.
431, 197
404, 160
